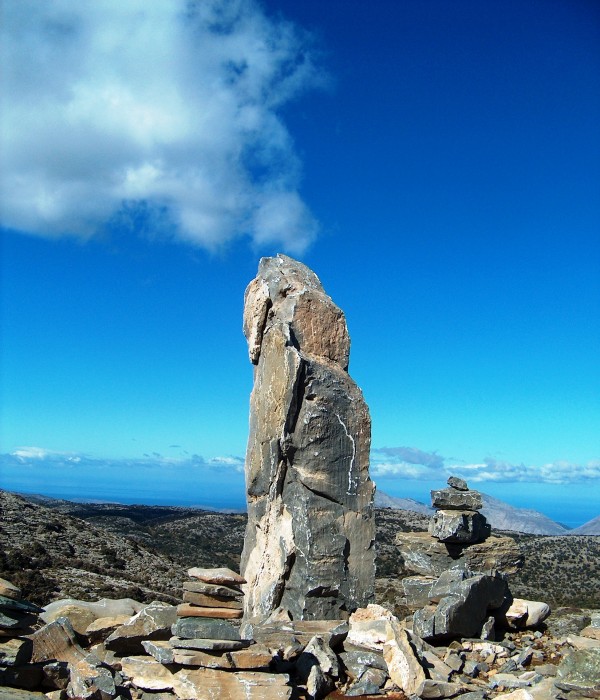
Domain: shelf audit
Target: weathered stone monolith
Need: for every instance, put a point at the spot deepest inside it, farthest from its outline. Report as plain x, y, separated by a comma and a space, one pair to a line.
309, 546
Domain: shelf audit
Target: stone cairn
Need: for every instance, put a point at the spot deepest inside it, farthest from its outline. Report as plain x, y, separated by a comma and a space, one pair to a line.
309, 546
462, 587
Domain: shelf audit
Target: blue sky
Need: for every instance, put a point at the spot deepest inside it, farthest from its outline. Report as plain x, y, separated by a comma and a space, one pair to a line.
436, 163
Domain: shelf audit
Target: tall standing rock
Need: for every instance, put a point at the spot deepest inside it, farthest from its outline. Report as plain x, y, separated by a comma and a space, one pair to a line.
309, 545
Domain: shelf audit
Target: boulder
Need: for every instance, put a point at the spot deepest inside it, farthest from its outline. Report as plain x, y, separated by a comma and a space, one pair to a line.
517, 613
212, 601
458, 526
101, 608
187, 610
309, 545
463, 600
423, 554
457, 483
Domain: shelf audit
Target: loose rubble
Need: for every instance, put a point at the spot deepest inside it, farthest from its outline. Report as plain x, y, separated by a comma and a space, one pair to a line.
163, 653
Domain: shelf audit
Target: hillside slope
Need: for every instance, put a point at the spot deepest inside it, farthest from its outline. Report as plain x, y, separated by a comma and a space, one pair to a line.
592, 527
51, 555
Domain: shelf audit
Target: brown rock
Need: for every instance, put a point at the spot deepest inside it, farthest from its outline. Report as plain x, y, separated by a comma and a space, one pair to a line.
187, 610
257, 656
102, 627
212, 601
309, 541
195, 657
9, 590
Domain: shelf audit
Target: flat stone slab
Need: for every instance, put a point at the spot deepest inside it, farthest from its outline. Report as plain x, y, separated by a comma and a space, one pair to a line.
9, 590
146, 673
187, 610
216, 576
212, 589
209, 644
204, 628
455, 499
212, 601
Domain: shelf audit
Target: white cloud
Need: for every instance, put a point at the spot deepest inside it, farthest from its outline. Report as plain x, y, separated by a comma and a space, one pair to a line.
414, 464
162, 112
24, 454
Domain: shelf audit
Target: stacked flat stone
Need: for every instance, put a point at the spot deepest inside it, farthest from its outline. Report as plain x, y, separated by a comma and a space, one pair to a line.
212, 593
203, 634
17, 618
457, 519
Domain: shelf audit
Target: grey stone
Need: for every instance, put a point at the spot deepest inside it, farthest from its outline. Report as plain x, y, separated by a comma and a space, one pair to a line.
509, 681
464, 601
370, 683
20, 694
7, 603
212, 589
162, 651
431, 690
579, 672
455, 661
152, 622
458, 526
524, 657
488, 629
417, 590
356, 662
208, 644
309, 545
456, 483
455, 499
427, 556
471, 668
205, 628
16, 620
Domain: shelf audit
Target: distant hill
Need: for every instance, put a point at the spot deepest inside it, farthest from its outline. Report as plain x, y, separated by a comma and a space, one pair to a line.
383, 500
503, 516
592, 527
500, 515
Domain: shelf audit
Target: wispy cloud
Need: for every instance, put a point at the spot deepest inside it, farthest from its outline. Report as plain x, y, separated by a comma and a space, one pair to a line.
412, 463
40, 456
161, 116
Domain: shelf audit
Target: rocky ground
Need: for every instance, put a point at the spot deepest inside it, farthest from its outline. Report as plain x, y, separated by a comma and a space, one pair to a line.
51, 555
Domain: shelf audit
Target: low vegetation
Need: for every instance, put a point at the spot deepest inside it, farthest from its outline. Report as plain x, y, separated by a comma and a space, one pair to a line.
143, 552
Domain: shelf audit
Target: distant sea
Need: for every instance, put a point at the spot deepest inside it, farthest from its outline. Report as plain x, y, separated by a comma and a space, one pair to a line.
223, 488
